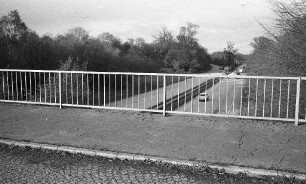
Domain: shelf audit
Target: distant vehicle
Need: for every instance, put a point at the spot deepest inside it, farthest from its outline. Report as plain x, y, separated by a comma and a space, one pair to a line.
239, 71
203, 97
221, 68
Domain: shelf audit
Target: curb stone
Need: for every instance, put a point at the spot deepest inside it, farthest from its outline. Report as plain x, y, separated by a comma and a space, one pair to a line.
137, 157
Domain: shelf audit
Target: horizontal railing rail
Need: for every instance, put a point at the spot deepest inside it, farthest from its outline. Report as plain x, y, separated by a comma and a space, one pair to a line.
214, 94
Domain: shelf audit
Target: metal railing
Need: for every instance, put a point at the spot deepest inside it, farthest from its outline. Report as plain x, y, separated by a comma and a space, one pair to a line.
254, 97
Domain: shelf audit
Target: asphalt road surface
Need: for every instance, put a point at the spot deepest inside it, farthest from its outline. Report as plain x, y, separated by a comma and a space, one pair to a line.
224, 98
153, 99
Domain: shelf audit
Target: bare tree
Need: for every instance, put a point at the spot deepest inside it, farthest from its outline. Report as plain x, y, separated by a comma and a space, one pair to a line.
290, 26
163, 41
229, 53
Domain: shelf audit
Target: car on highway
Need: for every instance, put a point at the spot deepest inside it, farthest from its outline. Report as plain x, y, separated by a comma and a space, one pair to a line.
203, 97
239, 71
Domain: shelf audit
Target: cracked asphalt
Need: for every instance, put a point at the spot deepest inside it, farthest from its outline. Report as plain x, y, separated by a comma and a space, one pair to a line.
260, 144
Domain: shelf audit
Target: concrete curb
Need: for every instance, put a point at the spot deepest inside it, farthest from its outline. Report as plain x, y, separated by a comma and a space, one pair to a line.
136, 157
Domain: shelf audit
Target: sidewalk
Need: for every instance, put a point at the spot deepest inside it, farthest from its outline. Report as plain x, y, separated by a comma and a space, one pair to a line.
258, 144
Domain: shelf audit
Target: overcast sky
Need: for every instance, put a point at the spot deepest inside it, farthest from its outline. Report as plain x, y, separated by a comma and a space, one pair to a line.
219, 20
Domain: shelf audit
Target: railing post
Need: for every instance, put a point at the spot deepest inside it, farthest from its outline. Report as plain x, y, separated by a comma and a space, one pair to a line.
165, 97
297, 101
60, 89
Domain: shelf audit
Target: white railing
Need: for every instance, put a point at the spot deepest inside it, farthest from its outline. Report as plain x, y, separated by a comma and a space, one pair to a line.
255, 97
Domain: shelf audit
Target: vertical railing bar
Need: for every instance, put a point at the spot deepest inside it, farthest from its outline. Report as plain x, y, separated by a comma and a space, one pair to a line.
60, 89
26, 86
49, 87
185, 100
226, 96
171, 93
121, 91
288, 96
199, 91
21, 90
39, 76
297, 101
256, 97
99, 93
151, 101
71, 88
20, 79
115, 90
35, 81
157, 88
249, 97
21, 86
82, 88
8, 85
220, 83
12, 81
212, 96
241, 98
3, 86
109, 90
104, 90
234, 96
263, 109
280, 97
77, 88
66, 81
164, 94
93, 89
127, 91
138, 91
39, 87
17, 86
54, 87
87, 84
132, 91
206, 79
45, 87
30, 74
271, 107
145, 92
191, 98
178, 92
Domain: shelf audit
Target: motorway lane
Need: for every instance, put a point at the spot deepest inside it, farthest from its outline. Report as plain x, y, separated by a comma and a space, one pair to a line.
181, 96
224, 98
153, 99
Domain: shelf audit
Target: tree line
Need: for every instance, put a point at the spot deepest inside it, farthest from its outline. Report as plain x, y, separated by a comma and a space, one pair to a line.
282, 52
22, 48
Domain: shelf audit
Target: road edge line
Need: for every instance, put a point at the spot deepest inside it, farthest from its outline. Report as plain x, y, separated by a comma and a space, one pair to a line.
137, 157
